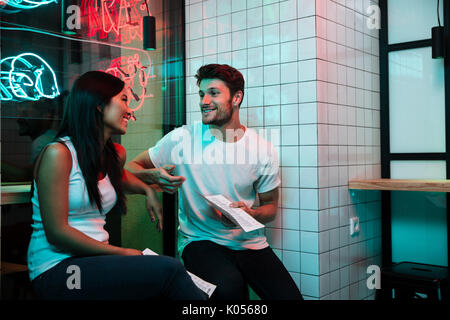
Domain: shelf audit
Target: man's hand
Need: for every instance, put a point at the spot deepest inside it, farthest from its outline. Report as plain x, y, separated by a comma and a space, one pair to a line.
162, 178
243, 206
267, 210
239, 204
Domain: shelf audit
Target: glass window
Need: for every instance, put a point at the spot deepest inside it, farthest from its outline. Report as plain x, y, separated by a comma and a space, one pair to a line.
405, 24
46, 45
414, 169
416, 102
44, 49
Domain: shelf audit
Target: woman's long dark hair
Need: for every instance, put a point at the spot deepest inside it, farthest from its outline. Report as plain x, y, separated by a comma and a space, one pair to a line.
83, 123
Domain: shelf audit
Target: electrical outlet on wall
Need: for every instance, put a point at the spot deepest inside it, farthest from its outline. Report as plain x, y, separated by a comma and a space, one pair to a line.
354, 226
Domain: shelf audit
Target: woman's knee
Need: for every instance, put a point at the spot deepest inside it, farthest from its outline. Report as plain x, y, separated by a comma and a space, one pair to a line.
171, 265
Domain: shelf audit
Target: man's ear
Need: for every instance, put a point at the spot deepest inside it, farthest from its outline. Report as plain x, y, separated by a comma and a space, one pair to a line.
237, 98
99, 109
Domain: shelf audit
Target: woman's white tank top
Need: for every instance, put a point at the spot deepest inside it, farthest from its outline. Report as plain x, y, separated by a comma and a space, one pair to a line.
82, 216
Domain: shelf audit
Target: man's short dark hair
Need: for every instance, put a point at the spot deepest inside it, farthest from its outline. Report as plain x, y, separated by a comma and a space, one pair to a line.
232, 77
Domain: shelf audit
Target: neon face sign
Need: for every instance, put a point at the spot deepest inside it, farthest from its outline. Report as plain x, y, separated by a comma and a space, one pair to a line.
26, 4
136, 78
26, 77
118, 17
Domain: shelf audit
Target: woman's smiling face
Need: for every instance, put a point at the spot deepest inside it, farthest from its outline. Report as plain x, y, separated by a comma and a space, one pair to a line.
117, 113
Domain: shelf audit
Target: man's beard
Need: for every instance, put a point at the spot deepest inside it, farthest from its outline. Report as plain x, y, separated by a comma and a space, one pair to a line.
222, 117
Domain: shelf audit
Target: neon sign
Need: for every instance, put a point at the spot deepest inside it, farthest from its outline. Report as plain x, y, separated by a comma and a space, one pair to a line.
118, 17
26, 77
135, 75
26, 4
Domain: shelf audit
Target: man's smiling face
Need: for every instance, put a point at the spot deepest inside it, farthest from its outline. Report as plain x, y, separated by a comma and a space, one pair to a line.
215, 102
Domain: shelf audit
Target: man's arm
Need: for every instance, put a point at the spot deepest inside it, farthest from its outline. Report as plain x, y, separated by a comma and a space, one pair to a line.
267, 210
143, 168
138, 165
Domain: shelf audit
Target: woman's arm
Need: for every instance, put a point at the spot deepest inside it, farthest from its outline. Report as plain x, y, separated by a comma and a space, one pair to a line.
132, 184
53, 193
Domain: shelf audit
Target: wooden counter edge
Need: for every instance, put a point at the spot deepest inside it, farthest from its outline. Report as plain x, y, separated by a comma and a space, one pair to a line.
400, 185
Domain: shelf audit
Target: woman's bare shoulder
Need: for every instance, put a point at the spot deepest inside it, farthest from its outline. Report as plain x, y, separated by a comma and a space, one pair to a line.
55, 158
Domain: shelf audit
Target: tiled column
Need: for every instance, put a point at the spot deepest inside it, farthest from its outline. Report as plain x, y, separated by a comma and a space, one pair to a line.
348, 146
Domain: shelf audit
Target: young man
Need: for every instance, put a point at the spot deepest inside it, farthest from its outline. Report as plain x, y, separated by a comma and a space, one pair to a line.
221, 156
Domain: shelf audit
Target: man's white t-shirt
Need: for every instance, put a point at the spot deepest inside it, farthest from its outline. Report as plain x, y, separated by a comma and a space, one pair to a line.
236, 170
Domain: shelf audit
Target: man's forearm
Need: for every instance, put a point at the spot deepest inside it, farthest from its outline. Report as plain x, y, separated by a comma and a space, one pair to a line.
265, 213
134, 167
139, 170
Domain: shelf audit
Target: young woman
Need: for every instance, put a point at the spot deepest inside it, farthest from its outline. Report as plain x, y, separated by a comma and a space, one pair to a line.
78, 179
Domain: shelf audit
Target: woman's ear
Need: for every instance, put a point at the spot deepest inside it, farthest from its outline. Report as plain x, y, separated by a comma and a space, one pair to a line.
99, 109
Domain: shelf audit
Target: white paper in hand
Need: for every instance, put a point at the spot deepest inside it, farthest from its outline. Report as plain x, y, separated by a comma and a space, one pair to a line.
203, 285
148, 252
236, 215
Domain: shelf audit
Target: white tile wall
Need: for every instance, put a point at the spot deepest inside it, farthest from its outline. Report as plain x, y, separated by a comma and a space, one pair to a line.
312, 70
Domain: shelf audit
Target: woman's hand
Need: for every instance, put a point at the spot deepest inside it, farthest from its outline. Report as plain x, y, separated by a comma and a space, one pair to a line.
134, 184
154, 208
131, 252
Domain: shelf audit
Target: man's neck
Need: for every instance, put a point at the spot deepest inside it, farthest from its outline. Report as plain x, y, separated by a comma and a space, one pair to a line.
230, 132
